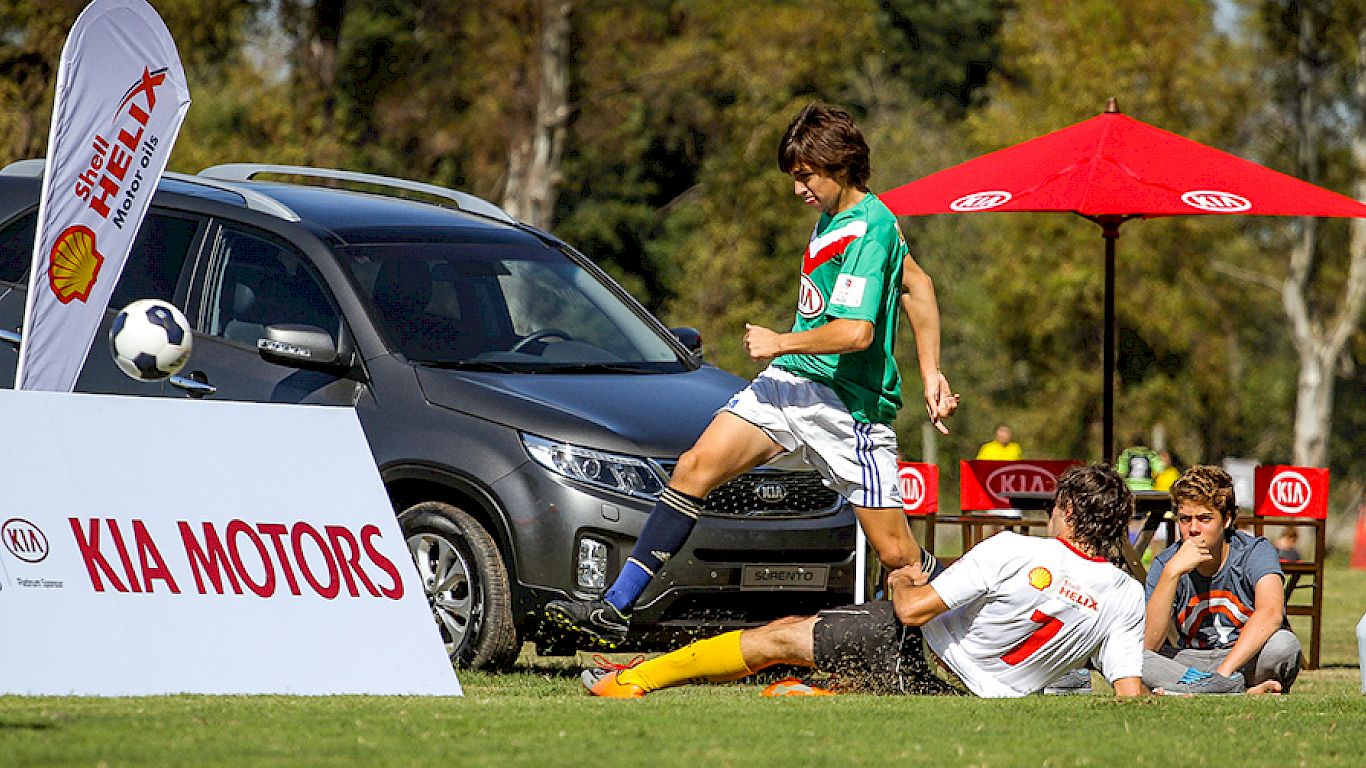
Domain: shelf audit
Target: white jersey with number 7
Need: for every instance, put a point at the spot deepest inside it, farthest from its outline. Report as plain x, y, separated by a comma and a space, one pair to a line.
1024, 610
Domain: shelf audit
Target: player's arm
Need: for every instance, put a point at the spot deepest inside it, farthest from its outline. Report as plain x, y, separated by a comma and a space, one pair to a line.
1129, 687
913, 599
921, 306
1158, 613
1267, 617
838, 336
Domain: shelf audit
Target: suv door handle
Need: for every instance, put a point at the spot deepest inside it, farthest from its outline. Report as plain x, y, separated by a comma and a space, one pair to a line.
195, 385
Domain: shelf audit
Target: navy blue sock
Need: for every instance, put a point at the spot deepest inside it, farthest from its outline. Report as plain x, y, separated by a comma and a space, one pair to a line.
670, 522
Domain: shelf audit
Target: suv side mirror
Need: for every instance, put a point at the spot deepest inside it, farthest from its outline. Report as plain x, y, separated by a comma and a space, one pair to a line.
301, 346
691, 338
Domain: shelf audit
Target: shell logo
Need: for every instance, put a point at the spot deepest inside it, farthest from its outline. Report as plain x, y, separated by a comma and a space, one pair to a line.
74, 264
1040, 578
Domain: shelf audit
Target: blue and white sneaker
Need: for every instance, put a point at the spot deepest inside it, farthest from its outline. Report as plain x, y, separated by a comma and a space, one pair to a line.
1197, 683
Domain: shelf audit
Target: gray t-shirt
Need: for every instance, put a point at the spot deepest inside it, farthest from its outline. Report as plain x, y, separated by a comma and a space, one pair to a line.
1210, 612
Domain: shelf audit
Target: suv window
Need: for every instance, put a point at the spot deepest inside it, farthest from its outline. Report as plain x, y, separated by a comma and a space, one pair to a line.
505, 304
153, 265
260, 282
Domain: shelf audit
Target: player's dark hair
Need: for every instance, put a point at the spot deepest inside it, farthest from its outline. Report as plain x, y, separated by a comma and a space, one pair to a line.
1098, 505
825, 139
1208, 486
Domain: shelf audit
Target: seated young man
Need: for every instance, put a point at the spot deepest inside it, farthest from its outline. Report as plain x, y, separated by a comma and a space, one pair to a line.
1223, 590
1006, 619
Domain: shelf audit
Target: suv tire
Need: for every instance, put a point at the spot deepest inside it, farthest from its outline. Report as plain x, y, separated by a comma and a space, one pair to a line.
466, 584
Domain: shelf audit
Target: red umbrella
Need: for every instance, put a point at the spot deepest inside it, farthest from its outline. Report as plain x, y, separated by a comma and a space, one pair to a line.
1109, 169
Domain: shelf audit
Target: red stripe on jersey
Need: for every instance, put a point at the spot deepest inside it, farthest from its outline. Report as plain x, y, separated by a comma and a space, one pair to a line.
831, 244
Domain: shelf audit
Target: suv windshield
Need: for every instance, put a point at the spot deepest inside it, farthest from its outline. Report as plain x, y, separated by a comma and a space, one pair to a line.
502, 306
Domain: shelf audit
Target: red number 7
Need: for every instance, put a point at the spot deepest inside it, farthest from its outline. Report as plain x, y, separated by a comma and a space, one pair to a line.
1048, 627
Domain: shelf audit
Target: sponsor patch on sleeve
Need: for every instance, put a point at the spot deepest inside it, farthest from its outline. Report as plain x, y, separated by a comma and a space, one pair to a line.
848, 291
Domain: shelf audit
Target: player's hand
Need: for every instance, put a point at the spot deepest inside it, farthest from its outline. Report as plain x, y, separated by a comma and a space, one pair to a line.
907, 576
940, 400
761, 343
1192, 553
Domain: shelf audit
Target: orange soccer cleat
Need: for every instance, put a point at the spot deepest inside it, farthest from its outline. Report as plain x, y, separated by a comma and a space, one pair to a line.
792, 686
604, 681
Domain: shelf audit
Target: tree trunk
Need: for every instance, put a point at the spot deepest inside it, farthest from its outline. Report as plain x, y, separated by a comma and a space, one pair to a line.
534, 173
1319, 342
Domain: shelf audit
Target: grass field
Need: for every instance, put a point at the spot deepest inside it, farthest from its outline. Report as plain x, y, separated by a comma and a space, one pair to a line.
539, 716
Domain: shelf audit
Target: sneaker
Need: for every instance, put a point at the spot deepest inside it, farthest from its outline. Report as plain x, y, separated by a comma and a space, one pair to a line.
1075, 682
1197, 683
795, 686
597, 619
603, 680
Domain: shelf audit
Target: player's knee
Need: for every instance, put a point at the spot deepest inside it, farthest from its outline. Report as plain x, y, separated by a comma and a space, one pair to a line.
695, 473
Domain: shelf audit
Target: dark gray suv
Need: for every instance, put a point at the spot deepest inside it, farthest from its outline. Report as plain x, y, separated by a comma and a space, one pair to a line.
522, 408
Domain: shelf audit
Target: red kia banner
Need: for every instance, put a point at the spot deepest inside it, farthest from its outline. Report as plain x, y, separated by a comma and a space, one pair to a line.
982, 483
919, 487
1291, 491
121, 97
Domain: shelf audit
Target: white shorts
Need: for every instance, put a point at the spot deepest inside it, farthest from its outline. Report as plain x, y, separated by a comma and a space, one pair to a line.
815, 430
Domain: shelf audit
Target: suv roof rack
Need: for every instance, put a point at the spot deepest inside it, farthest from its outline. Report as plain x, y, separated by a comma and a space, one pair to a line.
253, 200
463, 200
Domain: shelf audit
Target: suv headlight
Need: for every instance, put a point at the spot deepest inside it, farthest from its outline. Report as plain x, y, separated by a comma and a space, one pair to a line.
630, 475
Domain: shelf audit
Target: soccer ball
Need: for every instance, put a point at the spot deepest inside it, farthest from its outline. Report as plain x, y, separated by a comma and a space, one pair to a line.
150, 339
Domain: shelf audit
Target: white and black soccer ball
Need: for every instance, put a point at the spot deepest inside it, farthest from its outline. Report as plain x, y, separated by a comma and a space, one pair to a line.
150, 339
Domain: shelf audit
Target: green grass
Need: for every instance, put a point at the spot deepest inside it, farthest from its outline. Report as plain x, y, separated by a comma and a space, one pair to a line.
539, 716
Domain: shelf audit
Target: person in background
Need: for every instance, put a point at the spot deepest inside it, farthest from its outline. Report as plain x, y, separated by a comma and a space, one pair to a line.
1288, 543
1001, 448
1164, 479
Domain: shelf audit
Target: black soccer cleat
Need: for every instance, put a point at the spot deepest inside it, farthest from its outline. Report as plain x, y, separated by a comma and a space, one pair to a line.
599, 620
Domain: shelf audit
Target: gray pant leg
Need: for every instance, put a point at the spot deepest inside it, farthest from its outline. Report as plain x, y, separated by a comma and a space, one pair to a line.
1165, 668
1279, 660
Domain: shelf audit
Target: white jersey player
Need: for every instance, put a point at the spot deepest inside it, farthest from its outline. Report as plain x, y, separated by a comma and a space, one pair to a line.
1023, 610
1009, 617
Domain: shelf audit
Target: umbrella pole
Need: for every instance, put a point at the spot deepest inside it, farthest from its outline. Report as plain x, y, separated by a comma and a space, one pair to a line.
1110, 231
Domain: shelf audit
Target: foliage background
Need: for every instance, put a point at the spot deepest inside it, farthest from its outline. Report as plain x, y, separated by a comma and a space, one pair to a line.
668, 177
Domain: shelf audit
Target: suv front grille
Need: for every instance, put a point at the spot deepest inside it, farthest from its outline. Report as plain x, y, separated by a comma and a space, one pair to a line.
767, 492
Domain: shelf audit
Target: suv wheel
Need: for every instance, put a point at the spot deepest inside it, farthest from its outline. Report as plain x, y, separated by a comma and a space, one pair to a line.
466, 584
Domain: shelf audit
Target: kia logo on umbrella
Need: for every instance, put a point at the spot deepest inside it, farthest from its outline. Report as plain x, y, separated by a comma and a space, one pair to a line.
24, 540
1290, 492
1216, 201
981, 201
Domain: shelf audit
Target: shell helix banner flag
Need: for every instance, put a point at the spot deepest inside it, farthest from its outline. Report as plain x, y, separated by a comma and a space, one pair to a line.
121, 97
158, 546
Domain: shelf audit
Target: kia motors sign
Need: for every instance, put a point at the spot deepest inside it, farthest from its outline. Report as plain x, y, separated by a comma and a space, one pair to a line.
980, 201
210, 547
985, 484
1291, 492
919, 487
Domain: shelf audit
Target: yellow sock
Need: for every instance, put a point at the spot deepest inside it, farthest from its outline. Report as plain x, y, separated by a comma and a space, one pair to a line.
716, 659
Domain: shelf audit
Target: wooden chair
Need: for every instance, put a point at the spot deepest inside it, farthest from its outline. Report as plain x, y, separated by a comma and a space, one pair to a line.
1296, 497
1303, 577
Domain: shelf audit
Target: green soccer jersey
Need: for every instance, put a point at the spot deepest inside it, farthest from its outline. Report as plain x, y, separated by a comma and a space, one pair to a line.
852, 269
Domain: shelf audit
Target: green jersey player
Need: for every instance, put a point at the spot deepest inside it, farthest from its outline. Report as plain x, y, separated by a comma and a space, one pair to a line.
828, 398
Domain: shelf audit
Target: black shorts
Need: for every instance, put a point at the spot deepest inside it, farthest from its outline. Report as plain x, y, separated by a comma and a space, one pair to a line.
867, 648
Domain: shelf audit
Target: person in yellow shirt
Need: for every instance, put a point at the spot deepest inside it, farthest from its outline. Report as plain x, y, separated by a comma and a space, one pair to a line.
1165, 478
1002, 448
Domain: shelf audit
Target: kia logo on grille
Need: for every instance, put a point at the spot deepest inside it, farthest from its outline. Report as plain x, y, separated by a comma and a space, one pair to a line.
770, 493
24, 540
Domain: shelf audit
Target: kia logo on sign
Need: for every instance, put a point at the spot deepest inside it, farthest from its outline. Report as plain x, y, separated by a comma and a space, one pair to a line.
1216, 201
980, 201
24, 540
912, 488
1289, 491
1020, 479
